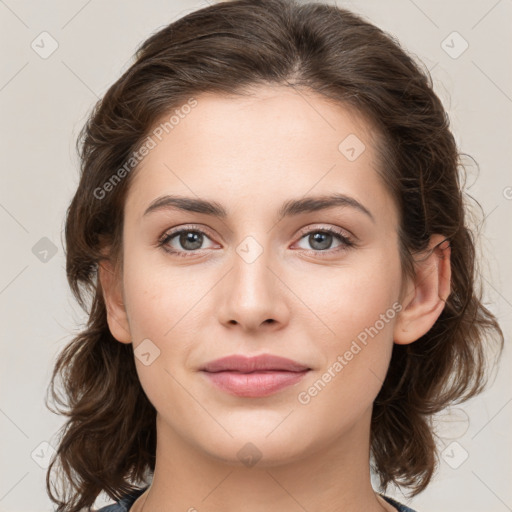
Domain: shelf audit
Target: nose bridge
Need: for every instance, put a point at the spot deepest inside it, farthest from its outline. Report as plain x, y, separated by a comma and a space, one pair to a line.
254, 294
252, 277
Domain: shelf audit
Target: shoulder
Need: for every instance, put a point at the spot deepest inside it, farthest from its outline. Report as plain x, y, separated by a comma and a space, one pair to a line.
399, 506
124, 504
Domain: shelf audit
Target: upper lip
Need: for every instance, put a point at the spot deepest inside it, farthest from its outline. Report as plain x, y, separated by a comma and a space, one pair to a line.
245, 364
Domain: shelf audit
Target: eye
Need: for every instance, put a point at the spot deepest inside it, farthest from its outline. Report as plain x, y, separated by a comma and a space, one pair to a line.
320, 240
183, 241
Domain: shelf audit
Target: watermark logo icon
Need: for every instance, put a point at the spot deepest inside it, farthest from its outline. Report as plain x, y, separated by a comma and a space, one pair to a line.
455, 455
454, 45
42, 454
44, 250
146, 352
44, 45
351, 147
249, 454
249, 249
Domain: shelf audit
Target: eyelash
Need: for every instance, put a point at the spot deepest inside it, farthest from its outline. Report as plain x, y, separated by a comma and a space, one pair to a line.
347, 242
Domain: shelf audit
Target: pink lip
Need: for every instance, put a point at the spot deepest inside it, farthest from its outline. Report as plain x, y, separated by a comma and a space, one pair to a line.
245, 364
256, 384
257, 376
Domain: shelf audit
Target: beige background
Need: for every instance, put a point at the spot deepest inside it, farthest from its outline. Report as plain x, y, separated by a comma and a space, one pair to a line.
44, 103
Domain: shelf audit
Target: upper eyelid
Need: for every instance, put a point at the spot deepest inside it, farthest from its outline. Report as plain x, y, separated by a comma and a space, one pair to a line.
340, 231
179, 229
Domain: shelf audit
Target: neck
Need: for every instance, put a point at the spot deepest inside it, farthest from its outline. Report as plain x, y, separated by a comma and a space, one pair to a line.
334, 477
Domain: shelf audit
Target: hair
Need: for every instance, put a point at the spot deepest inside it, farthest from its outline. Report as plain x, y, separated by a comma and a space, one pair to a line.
109, 439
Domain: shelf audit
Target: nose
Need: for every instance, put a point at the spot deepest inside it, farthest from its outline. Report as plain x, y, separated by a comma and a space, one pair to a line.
253, 295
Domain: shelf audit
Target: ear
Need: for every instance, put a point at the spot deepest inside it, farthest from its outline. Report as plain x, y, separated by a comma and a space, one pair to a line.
112, 293
426, 295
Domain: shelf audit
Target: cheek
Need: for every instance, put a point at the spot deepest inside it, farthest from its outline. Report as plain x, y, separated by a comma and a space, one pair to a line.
356, 357
359, 304
164, 306
159, 311
351, 298
158, 297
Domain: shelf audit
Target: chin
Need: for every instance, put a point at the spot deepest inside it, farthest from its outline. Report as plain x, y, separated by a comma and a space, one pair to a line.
255, 448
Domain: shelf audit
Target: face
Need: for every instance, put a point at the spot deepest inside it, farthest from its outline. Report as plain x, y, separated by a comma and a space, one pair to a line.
319, 286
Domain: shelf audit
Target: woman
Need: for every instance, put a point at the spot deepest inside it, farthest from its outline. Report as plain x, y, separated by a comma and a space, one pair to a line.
270, 224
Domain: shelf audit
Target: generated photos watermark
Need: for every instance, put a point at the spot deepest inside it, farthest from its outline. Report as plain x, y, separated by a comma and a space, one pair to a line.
149, 143
305, 397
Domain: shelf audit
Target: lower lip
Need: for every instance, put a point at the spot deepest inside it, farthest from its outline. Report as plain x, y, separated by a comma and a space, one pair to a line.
256, 384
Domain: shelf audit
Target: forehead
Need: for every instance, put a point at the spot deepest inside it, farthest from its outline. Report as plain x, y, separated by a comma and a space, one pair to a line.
273, 143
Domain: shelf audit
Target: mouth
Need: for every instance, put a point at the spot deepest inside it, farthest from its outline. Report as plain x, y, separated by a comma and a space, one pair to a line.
254, 377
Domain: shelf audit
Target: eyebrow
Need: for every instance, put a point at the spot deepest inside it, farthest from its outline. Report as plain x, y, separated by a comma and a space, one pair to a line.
289, 208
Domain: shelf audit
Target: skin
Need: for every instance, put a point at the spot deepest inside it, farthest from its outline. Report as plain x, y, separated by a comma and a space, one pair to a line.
250, 154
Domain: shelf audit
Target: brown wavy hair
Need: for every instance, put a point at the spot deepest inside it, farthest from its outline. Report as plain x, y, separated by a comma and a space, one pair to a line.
109, 439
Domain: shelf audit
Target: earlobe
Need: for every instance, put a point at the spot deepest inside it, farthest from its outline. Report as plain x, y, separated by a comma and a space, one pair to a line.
427, 294
112, 295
